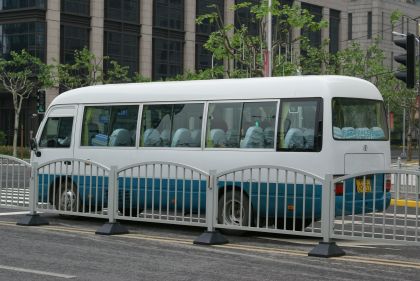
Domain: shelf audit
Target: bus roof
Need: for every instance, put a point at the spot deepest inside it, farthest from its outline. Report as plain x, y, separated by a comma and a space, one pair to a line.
222, 89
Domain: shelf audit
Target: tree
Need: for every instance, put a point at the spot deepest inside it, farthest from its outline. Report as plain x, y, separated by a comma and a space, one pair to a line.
87, 70
238, 46
22, 75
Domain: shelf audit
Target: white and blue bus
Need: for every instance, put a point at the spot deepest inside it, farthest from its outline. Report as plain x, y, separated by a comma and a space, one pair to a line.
319, 124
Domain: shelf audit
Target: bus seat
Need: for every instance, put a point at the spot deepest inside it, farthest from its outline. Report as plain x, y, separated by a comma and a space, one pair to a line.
165, 137
196, 138
232, 138
181, 138
363, 133
338, 133
377, 133
120, 137
218, 137
269, 137
308, 137
294, 138
100, 140
151, 137
348, 133
254, 138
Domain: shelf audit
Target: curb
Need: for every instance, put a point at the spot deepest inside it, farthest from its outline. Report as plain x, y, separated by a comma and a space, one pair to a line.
403, 203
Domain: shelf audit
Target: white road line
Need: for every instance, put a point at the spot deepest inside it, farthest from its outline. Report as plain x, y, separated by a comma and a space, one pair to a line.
65, 276
14, 213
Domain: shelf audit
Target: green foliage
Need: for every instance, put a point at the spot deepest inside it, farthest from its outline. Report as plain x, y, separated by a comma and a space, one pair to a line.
244, 50
87, 70
22, 75
395, 17
206, 74
8, 150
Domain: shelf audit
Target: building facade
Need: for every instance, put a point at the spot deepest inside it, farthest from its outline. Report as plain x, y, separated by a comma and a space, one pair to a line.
160, 38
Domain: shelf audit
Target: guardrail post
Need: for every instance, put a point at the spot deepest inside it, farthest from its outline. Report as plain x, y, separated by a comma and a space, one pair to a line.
33, 218
112, 227
211, 236
327, 248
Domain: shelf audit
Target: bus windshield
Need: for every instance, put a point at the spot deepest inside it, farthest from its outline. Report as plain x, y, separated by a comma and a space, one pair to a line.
359, 119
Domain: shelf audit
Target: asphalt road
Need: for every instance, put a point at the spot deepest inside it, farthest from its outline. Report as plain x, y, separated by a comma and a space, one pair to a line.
69, 249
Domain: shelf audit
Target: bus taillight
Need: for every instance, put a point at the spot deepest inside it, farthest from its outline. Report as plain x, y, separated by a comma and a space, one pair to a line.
388, 184
339, 187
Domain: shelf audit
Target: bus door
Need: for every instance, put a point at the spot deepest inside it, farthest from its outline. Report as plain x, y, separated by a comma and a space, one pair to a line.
56, 138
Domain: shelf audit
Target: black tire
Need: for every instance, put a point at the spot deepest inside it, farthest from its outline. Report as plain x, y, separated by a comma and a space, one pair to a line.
66, 196
225, 215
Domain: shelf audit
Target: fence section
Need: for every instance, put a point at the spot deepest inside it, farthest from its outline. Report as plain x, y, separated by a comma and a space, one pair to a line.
162, 192
370, 208
72, 187
14, 182
269, 199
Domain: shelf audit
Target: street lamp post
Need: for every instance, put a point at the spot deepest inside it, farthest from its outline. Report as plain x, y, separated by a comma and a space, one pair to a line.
269, 38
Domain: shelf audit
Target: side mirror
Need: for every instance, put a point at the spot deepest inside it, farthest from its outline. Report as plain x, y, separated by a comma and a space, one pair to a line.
33, 144
34, 147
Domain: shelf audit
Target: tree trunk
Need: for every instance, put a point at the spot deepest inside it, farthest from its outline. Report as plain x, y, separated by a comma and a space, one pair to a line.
15, 133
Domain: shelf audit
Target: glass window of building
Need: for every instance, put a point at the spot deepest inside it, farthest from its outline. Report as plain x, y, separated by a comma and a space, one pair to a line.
369, 25
244, 16
313, 36
21, 4
122, 10
167, 57
123, 48
205, 7
76, 7
72, 38
334, 30
350, 26
169, 14
25, 35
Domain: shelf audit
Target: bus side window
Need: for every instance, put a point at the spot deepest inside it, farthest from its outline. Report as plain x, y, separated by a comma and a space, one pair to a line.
241, 125
172, 125
299, 124
57, 132
109, 125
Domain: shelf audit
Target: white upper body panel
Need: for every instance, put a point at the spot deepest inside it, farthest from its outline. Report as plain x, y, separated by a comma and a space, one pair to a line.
225, 89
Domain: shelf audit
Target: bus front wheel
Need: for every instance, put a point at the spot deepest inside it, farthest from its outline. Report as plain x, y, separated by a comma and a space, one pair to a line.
66, 198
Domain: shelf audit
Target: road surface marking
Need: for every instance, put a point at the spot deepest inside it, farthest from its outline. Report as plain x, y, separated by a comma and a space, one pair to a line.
14, 213
47, 273
233, 246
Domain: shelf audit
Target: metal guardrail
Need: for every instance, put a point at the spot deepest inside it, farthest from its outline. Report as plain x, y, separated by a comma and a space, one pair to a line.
383, 220
363, 206
14, 182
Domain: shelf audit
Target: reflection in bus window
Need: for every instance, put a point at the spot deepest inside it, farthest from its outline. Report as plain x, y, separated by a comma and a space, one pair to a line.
172, 125
109, 125
241, 125
57, 132
359, 119
298, 125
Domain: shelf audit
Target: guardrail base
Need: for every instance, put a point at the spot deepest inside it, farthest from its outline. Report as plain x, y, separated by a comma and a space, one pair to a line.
211, 238
326, 250
32, 220
114, 228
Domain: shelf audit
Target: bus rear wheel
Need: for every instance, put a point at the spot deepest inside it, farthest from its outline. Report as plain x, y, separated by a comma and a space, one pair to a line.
233, 213
66, 197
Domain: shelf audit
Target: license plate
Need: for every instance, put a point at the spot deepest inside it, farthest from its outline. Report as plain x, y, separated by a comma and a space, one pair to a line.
363, 185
